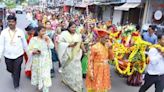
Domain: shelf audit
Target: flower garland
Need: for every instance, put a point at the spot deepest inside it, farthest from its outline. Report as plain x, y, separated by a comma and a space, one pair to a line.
137, 60
120, 50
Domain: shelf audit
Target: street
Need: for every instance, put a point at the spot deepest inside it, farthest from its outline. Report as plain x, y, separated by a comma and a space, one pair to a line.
118, 83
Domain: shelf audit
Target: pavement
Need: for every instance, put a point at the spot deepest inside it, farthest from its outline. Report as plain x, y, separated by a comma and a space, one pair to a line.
6, 85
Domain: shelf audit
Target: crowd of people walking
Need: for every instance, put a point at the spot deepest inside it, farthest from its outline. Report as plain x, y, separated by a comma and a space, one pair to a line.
81, 46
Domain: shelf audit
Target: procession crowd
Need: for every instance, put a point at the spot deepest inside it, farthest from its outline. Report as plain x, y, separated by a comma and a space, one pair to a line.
82, 46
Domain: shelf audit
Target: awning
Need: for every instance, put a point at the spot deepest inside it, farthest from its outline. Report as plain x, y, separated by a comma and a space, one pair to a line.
106, 3
126, 6
81, 5
69, 2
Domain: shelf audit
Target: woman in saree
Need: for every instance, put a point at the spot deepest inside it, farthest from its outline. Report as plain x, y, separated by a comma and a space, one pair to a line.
40, 51
98, 74
30, 33
70, 53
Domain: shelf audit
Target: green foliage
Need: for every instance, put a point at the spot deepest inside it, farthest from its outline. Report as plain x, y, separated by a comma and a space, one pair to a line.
10, 3
137, 57
22, 1
1, 0
33, 2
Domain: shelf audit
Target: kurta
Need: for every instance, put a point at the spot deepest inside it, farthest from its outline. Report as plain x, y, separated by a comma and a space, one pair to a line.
42, 63
70, 59
99, 67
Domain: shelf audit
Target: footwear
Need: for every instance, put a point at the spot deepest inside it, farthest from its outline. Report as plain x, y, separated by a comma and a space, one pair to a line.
38, 90
60, 70
17, 89
45, 89
52, 71
52, 75
84, 76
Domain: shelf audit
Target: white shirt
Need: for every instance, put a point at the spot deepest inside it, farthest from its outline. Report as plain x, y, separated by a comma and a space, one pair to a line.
156, 66
12, 44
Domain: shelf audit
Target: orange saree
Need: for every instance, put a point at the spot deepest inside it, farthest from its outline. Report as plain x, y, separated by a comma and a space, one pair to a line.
98, 75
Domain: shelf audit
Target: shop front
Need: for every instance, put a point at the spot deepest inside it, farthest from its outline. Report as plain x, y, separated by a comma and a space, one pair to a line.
154, 14
130, 12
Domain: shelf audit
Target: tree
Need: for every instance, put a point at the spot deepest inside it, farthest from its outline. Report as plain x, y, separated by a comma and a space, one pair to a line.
10, 3
33, 2
1, 0
22, 1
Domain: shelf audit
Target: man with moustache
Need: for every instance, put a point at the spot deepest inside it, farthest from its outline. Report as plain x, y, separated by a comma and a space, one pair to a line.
12, 46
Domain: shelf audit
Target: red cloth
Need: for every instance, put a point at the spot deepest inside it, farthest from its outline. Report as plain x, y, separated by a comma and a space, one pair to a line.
102, 33
29, 38
27, 73
135, 34
66, 8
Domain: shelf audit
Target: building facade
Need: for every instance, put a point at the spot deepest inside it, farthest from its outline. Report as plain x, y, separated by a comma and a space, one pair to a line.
118, 11
154, 12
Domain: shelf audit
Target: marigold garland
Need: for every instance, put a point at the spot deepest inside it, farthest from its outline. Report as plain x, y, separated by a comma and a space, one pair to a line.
139, 47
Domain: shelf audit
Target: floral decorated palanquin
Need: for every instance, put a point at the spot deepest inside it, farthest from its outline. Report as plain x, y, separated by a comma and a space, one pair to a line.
130, 58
